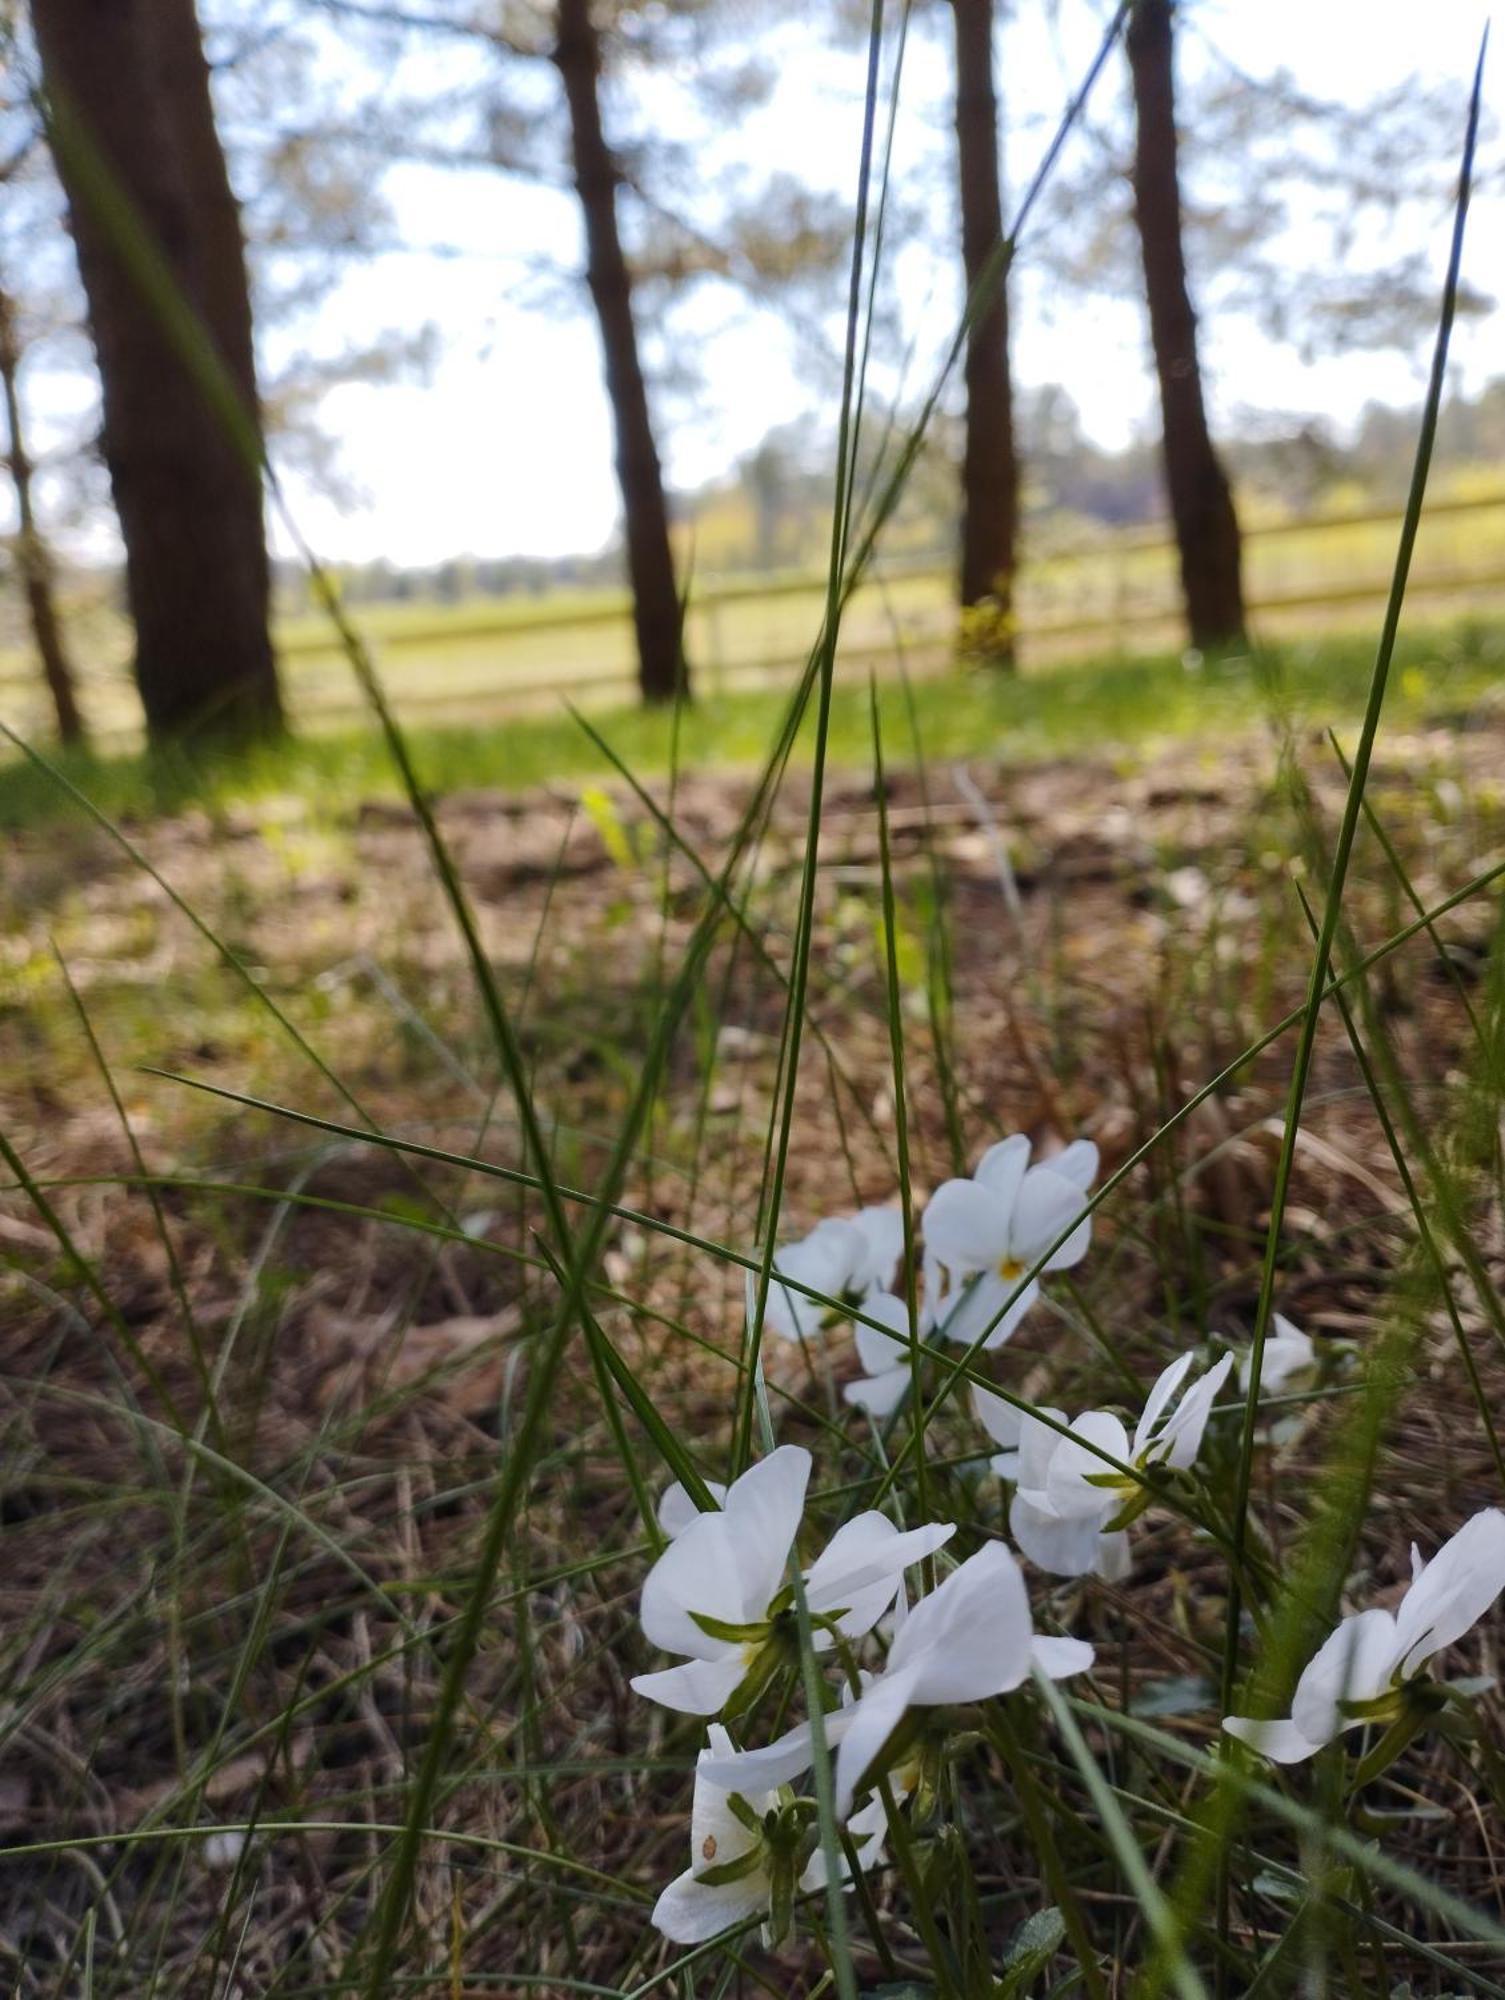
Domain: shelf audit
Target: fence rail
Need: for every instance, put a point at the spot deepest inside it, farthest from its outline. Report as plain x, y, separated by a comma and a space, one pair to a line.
1116, 593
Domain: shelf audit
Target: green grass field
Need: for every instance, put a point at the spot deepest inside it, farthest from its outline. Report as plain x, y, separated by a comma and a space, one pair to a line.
479, 660
1448, 673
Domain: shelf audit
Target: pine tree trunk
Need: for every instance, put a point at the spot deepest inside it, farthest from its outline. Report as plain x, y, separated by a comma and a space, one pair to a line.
32, 555
990, 472
129, 77
662, 675
1207, 533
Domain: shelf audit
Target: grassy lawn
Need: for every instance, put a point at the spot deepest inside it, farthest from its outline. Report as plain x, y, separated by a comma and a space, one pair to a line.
1094, 705
483, 660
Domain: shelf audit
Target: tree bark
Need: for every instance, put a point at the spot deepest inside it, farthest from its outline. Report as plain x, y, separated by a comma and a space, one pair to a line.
990, 471
1207, 533
662, 674
129, 78
33, 558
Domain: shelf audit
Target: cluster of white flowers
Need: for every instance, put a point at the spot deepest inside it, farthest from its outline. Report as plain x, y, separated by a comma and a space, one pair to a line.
721, 1594
728, 1596
1373, 1667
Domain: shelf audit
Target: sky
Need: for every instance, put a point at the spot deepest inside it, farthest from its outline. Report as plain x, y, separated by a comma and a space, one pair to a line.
504, 446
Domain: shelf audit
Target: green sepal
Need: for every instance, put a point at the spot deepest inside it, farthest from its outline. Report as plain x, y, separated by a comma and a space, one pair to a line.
1421, 1703
744, 1814
1384, 1707
734, 1635
946, 1857
737, 1870
781, 1900
765, 1663
925, 1803
1138, 1503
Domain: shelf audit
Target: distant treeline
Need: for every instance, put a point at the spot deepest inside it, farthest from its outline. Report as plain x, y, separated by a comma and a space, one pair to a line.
771, 513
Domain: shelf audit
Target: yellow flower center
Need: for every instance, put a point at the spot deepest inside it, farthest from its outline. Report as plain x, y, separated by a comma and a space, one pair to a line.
1010, 1269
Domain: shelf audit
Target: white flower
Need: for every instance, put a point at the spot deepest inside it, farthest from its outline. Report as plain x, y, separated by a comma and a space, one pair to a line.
1361, 1674
1066, 1494
1289, 1356
693, 1909
677, 1510
740, 1842
869, 1830
996, 1227
842, 1257
972, 1638
717, 1593
885, 1379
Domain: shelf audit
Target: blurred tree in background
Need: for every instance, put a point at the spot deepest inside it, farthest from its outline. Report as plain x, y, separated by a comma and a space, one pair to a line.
1291, 206
134, 138
1207, 534
622, 108
774, 240
662, 672
33, 558
990, 469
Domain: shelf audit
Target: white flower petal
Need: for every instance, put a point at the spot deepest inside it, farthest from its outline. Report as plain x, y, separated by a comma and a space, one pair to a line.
1059, 1547
971, 1637
699, 1571
762, 1515
1077, 1163
869, 1830
1282, 1742
1002, 1168
690, 1912
1166, 1383
870, 1723
1047, 1205
879, 1395
1002, 1421
788, 1314
966, 1226
1181, 1436
823, 1260
1075, 1466
1037, 1445
1289, 1353
677, 1510
1455, 1590
699, 1687
710, 1813
994, 1307
1060, 1658
1353, 1665
882, 1233
769, 1765
880, 1351
814, 1877
861, 1565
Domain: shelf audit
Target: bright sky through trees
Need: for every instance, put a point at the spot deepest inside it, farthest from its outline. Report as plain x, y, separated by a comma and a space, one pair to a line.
506, 447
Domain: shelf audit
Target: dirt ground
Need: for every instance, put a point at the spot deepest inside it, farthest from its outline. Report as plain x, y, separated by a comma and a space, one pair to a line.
1116, 933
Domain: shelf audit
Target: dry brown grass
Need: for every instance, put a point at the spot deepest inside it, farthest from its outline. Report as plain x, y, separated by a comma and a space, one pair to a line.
253, 1631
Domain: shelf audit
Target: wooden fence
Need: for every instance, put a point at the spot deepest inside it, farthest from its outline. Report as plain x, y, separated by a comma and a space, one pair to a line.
491, 658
